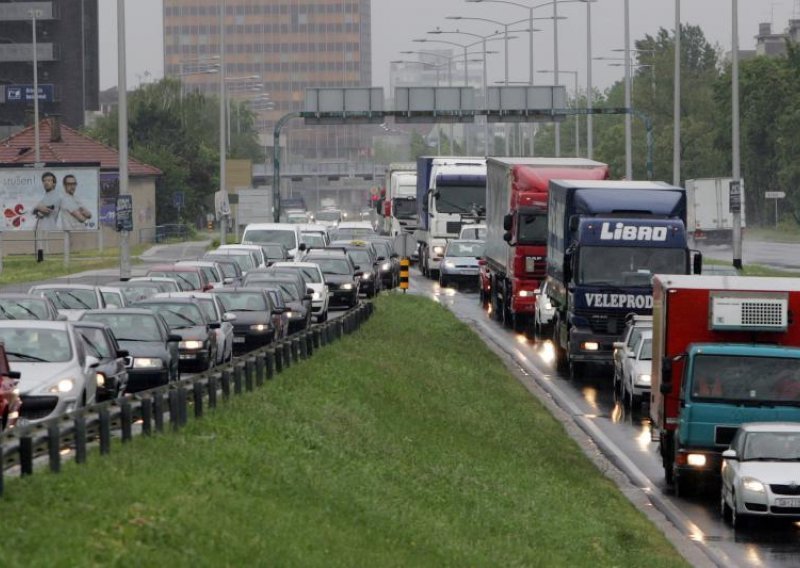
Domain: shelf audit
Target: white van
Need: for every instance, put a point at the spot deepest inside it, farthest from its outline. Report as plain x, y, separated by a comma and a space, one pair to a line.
283, 233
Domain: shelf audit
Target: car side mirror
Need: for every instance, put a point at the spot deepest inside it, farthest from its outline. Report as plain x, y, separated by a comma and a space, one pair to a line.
310, 291
730, 455
302, 247
666, 376
359, 273
214, 325
61, 317
357, 267
92, 362
616, 344
14, 375
508, 221
123, 353
381, 258
227, 316
481, 262
279, 310
174, 338
507, 236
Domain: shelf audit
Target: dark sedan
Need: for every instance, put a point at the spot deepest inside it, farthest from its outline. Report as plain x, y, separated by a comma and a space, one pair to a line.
255, 324
184, 316
112, 371
341, 277
153, 350
297, 298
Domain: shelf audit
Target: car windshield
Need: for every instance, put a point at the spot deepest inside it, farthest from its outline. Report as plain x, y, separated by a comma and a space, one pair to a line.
128, 327
532, 229
75, 299
36, 345
382, 248
460, 198
284, 237
277, 297
315, 240
771, 446
243, 302
310, 274
627, 266
274, 251
333, 266
95, 341
114, 298
23, 309
350, 234
245, 261
361, 258
405, 207
456, 249
329, 215
177, 315
296, 218
186, 280
228, 270
646, 353
751, 380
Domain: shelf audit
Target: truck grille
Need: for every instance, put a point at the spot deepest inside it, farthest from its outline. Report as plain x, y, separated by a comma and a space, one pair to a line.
453, 227
724, 434
607, 324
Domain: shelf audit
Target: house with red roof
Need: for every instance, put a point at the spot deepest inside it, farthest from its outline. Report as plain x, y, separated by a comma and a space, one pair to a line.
62, 147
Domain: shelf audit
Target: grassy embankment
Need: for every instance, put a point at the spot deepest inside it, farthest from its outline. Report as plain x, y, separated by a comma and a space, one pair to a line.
405, 444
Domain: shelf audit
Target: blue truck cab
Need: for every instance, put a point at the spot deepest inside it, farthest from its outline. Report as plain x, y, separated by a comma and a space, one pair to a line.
605, 241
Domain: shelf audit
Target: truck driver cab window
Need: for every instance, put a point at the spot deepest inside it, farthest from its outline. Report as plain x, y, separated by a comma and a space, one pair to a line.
747, 379
532, 229
628, 266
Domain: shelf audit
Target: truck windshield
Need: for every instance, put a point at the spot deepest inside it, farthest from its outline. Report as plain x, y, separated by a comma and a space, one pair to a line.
532, 229
460, 198
405, 208
750, 379
627, 266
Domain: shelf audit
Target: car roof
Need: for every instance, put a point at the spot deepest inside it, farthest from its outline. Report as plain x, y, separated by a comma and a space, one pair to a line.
22, 296
35, 324
168, 300
130, 311
467, 241
88, 323
173, 268
298, 264
235, 289
184, 294
64, 287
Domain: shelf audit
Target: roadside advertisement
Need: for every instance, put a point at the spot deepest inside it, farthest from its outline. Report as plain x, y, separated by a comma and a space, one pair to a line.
49, 199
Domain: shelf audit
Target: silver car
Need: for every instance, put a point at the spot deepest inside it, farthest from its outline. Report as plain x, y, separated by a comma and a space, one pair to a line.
460, 262
71, 299
57, 374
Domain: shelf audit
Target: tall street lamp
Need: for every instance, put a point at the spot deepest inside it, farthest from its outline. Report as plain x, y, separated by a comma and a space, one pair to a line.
577, 116
483, 39
34, 14
676, 100
735, 152
628, 148
222, 206
122, 127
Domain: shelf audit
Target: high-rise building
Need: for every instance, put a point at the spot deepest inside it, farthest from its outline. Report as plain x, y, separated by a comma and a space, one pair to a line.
274, 51
67, 61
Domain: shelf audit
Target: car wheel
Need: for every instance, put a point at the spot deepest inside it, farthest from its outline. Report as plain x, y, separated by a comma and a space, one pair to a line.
738, 521
442, 280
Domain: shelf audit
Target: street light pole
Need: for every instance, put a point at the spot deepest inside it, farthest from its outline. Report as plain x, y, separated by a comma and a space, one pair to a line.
628, 148
122, 127
589, 88
735, 154
555, 73
676, 96
35, 14
223, 220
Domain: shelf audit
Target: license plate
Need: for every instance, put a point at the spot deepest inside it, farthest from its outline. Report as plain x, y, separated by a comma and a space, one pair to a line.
786, 502
238, 339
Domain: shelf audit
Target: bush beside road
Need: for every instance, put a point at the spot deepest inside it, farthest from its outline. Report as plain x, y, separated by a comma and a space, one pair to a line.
402, 444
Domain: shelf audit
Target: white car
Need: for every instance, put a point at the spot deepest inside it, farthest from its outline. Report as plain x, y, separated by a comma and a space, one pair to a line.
57, 374
475, 232
212, 270
543, 313
634, 325
215, 313
168, 284
315, 280
71, 299
636, 369
255, 250
760, 472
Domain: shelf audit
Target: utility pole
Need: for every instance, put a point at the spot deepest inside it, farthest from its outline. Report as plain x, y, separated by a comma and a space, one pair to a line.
122, 126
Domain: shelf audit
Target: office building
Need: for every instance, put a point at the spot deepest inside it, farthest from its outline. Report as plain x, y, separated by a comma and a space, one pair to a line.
67, 54
274, 51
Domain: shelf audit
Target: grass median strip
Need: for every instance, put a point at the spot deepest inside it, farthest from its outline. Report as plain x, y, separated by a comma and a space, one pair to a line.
405, 444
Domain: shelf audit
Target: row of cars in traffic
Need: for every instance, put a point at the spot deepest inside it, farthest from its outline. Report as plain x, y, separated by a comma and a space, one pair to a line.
66, 345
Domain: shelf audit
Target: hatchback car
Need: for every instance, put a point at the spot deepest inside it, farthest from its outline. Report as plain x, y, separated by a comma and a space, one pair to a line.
636, 369
27, 307
341, 276
215, 313
255, 325
760, 471
112, 370
113, 297
184, 316
71, 300
314, 281
460, 263
188, 277
153, 350
364, 256
57, 376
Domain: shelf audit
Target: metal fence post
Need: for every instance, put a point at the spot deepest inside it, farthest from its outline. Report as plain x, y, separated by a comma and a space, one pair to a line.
226, 383
270, 363
183, 406
279, 358
212, 390
126, 419
287, 354
79, 427
238, 372
197, 392
26, 455
261, 368
147, 416
249, 371
54, 446
158, 410
105, 429
174, 412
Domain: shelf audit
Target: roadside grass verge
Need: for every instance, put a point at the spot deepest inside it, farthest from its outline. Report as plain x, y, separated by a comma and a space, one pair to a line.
755, 269
407, 443
24, 268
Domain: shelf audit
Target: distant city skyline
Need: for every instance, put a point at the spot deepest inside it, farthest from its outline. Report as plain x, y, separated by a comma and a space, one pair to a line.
396, 23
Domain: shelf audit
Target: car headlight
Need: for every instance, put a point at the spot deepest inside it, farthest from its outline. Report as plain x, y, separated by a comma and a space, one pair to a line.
754, 485
295, 315
62, 387
438, 251
696, 460
147, 363
643, 379
316, 296
386, 266
289, 314
347, 286
100, 379
258, 327
548, 305
190, 344
449, 264
366, 275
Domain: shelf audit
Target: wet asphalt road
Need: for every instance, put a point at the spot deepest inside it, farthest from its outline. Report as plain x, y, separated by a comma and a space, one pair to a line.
625, 440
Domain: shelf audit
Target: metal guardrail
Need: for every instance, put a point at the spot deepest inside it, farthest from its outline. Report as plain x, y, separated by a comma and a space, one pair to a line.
166, 406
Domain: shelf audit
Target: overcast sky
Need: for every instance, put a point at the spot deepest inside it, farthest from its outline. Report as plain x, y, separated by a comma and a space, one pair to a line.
395, 23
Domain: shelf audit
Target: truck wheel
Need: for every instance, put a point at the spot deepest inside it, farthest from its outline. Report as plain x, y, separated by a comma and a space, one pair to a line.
519, 323
497, 314
576, 370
